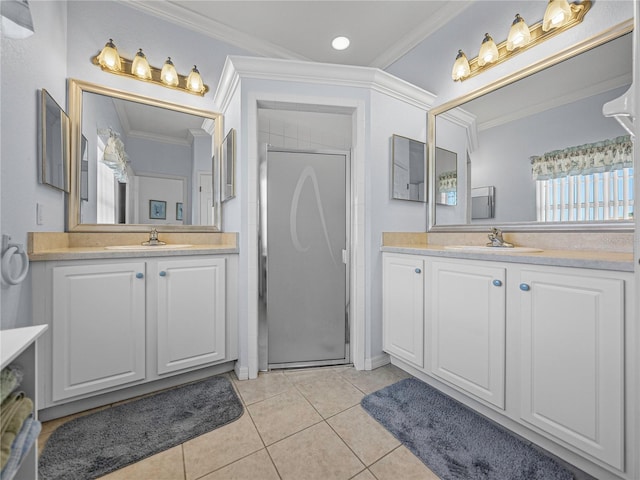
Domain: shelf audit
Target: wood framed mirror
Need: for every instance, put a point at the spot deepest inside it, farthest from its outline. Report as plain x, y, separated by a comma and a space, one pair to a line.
128, 149
551, 109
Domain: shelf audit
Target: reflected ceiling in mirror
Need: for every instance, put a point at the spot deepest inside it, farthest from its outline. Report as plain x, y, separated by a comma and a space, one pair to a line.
554, 107
135, 151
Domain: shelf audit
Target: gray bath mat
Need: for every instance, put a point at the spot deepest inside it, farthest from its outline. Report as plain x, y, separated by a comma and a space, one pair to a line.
94, 445
453, 441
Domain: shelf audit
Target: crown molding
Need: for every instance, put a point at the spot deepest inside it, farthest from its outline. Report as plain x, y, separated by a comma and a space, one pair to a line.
240, 67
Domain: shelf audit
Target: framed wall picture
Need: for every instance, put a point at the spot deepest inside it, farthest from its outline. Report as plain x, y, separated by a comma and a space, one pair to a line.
227, 167
178, 210
157, 209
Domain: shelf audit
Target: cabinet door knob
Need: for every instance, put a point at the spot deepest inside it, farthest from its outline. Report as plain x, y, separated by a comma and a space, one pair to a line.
163, 273
524, 287
497, 283
139, 275
418, 270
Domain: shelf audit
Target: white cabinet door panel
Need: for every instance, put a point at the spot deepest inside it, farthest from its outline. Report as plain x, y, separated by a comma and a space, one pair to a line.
403, 307
467, 320
191, 313
572, 360
98, 327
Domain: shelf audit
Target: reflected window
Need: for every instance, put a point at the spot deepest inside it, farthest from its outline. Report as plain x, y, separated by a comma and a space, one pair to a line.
596, 196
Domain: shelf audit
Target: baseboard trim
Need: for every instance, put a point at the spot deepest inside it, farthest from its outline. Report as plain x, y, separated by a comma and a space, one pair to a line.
376, 362
241, 372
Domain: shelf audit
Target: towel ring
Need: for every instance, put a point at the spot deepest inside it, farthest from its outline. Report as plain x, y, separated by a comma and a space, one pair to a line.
7, 255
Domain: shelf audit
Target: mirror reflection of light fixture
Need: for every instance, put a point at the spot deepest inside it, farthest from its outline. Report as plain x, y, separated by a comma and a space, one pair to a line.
140, 67
558, 13
169, 76
559, 16
488, 51
110, 61
460, 67
519, 34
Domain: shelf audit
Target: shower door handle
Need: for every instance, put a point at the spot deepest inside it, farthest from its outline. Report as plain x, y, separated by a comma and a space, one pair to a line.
345, 256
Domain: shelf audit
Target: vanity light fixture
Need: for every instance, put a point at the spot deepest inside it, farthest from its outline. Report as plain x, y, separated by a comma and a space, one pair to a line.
519, 34
559, 16
194, 81
140, 67
460, 67
109, 58
168, 75
110, 61
558, 13
488, 51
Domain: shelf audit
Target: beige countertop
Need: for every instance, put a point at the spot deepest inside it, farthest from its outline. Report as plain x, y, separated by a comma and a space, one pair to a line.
44, 246
417, 244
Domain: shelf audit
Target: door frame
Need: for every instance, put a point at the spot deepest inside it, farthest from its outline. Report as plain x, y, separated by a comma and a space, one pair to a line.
263, 254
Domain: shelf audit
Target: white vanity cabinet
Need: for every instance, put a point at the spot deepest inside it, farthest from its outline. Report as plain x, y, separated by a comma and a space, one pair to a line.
403, 307
572, 358
126, 322
543, 350
466, 327
98, 334
190, 304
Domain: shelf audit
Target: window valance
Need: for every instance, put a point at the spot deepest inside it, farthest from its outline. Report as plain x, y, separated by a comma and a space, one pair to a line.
603, 156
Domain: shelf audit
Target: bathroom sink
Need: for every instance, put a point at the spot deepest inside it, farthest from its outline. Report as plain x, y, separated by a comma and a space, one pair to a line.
147, 247
486, 249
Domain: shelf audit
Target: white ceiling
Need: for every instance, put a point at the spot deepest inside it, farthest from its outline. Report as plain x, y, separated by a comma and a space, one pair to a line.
381, 31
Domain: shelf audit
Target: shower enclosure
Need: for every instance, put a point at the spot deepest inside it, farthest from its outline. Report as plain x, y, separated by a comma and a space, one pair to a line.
304, 234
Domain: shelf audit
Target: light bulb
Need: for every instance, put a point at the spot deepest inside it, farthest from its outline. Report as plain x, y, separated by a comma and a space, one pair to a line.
194, 81
488, 51
519, 34
461, 68
558, 13
169, 76
109, 58
340, 43
140, 67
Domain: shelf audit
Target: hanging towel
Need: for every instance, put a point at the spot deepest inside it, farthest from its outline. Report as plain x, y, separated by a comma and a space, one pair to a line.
27, 436
10, 379
15, 411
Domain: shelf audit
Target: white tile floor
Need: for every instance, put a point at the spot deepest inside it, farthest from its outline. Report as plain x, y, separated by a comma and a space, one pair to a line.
298, 425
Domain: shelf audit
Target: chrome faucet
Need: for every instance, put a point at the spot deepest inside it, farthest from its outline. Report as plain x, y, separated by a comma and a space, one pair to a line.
153, 238
496, 239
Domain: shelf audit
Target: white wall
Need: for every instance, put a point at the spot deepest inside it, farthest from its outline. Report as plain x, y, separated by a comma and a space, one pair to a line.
383, 214
27, 66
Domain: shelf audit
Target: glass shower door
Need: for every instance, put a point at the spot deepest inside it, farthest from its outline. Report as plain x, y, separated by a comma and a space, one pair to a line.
305, 235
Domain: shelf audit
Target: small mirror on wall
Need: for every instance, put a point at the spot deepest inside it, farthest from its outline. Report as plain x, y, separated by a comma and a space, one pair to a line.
227, 166
408, 168
54, 143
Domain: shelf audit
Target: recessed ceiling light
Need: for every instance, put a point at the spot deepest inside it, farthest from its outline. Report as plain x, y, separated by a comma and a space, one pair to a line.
340, 43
